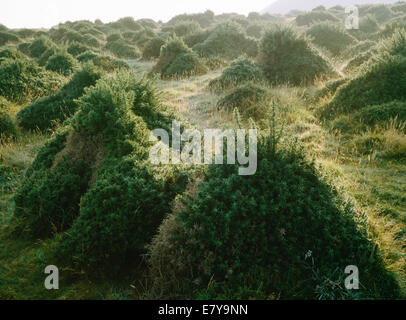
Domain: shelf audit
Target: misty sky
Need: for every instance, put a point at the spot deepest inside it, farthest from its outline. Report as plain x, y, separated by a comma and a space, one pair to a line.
47, 13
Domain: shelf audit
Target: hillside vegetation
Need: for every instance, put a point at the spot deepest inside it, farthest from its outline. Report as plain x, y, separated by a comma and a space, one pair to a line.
78, 106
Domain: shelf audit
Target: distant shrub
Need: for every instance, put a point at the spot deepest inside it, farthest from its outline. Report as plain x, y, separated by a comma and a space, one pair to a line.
172, 49
224, 241
7, 127
106, 63
359, 60
126, 23
152, 49
252, 101
6, 37
22, 80
114, 37
76, 49
399, 7
287, 57
45, 113
378, 81
121, 49
62, 62
372, 115
142, 37
43, 59
359, 48
381, 12
390, 28
204, 19
308, 18
229, 41
9, 53
186, 65
24, 47
330, 88
255, 31
368, 24
330, 36
196, 38
39, 46
237, 73
185, 28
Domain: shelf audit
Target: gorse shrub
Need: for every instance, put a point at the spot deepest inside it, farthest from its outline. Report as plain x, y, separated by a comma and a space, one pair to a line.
152, 48
330, 36
381, 12
308, 18
7, 37
106, 63
287, 57
7, 127
252, 101
236, 237
40, 45
121, 49
119, 198
229, 41
237, 73
46, 112
373, 115
173, 48
368, 24
185, 28
76, 49
62, 62
186, 65
379, 80
22, 80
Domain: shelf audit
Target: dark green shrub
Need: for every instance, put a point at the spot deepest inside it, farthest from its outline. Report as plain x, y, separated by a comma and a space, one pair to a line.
359, 48
26, 33
185, 65
237, 73
196, 38
173, 48
43, 60
24, 47
76, 49
360, 59
62, 62
142, 37
7, 126
9, 53
380, 113
330, 88
368, 24
114, 37
381, 12
378, 81
22, 80
106, 63
227, 40
287, 57
121, 49
124, 198
252, 101
6, 37
186, 28
204, 19
152, 49
308, 18
255, 31
330, 36
45, 113
39, 46
126, 23
283, 230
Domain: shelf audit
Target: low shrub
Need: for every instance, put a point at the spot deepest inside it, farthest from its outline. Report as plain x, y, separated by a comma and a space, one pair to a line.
186, 65
152, 48
22, 80
227, 40
287, 57
378, 81
7, 127
224, 241
40, 45
62, 62
121, 49
8, 37
373, 115
45, 113
237, 73
382, 13
308, 18
330, 36
106, 63
252, 101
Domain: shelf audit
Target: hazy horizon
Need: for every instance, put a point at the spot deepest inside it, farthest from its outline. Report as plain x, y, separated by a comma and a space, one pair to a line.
48, 13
